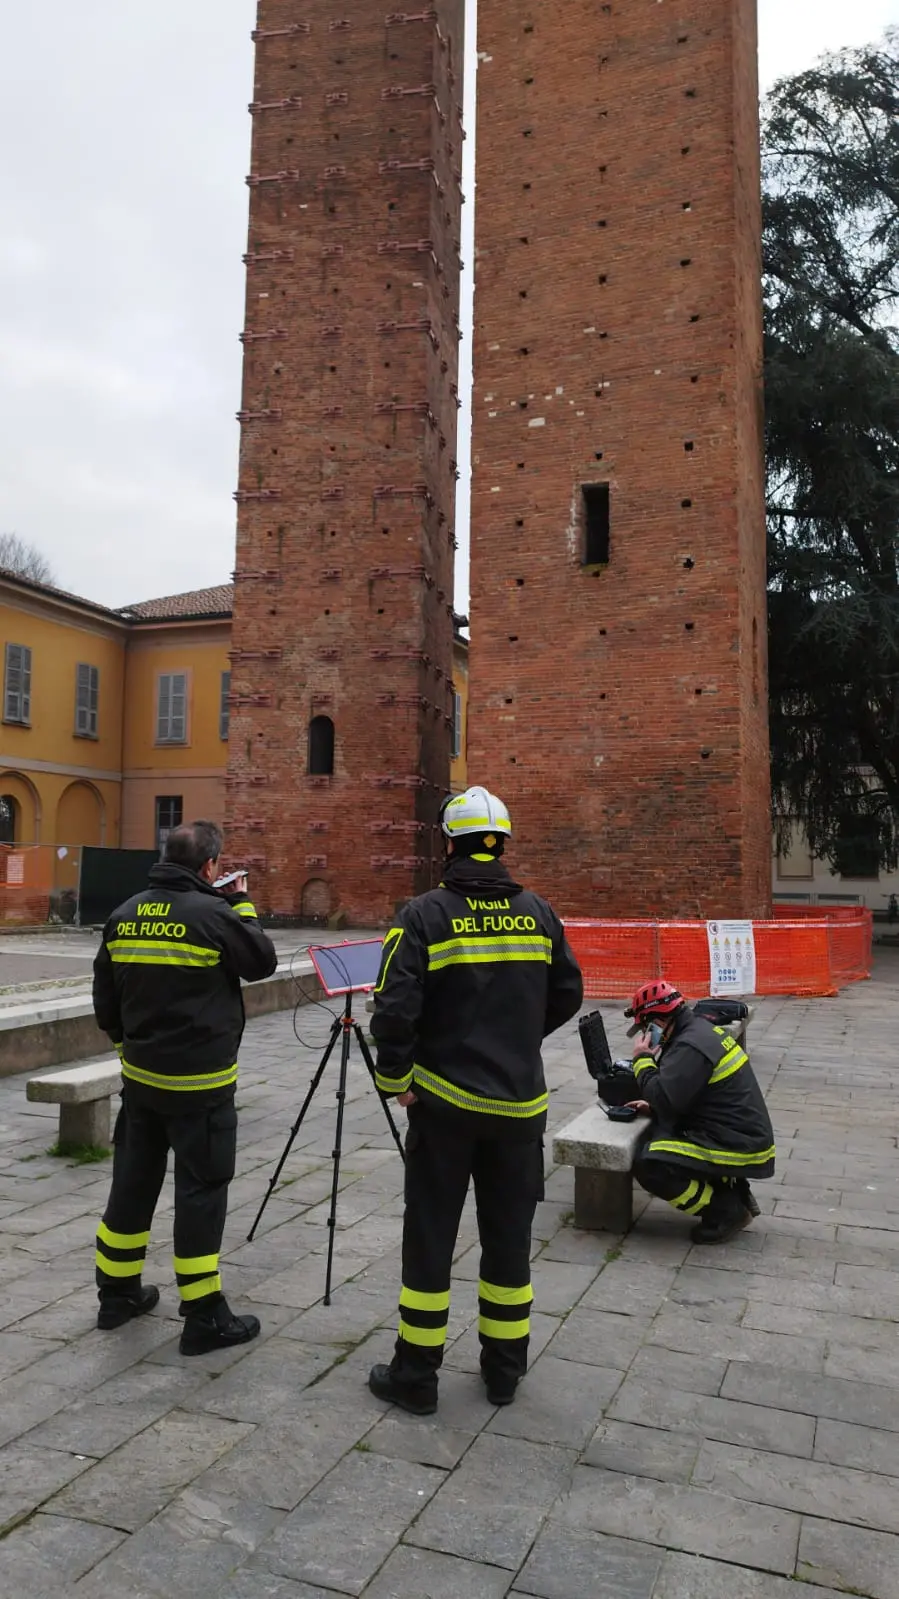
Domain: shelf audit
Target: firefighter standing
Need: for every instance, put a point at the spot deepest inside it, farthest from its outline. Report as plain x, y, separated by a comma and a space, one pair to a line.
473, 977
711, 1131
167, 991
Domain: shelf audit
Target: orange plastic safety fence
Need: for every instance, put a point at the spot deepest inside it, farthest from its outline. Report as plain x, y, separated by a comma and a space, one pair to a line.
802, 956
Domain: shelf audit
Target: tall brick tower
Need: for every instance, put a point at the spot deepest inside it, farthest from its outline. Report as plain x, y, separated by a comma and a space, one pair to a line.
342, 638
618, 541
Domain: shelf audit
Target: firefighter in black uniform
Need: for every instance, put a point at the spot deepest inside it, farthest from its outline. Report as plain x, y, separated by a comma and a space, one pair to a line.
473, 977
711, 1129
167, 991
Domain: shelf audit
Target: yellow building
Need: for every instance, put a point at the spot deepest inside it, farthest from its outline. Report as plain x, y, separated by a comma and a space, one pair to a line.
114, 723
459, 749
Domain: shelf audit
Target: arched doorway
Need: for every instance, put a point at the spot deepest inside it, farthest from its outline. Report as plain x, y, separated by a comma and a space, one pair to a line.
80, 816
315, 902
10, 819
18, 789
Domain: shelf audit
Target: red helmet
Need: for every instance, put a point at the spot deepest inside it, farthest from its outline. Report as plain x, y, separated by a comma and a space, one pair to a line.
657, 998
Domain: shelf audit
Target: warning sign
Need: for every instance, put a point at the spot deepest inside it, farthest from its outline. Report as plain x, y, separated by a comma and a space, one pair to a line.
731, 958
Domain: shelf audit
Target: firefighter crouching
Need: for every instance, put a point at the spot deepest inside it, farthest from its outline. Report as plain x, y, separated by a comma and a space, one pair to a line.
167, 991
711, 1130
473, 976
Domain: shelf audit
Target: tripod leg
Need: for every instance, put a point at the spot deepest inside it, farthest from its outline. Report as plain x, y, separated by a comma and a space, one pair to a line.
366, 1056
335, 1032
335, 1154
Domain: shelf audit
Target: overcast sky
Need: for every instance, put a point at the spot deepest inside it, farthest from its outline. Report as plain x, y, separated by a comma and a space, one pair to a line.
124, 141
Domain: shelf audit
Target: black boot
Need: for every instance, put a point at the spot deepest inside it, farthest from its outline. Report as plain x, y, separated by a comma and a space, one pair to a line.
725, 1215
419, 1398
501, 1390
117, 1308
216, 1327
748, 1197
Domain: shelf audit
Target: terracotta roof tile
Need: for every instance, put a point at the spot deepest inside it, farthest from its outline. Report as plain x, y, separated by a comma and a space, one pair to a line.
180, 607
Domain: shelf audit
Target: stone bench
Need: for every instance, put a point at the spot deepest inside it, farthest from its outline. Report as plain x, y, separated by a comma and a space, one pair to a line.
602, 1154
84, 1096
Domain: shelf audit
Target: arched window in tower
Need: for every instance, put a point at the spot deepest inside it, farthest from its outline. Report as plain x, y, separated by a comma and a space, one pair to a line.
321, 746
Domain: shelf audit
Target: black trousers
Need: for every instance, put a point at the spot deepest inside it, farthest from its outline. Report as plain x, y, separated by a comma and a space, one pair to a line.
442, 1156
685, 1190
204, 1143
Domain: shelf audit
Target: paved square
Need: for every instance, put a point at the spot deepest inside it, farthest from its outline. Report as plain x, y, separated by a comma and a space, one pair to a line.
696, 1423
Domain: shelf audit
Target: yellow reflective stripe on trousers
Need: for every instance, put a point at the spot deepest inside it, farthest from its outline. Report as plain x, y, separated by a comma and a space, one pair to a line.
701, 1202
121, 1240
417, 1299
161, 952
393, 1085
503, 1329
209, 1285
730, 1062
463, 1100
119, 1268
191, 1266
181, 1085
713, 1157
505, 1296
427, 1337
683, 1200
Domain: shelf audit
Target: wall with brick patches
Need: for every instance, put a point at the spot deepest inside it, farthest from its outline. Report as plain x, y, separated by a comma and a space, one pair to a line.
620, 708
343, 596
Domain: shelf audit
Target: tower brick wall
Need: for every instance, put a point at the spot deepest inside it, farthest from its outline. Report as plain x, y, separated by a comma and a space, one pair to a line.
620, 707
344, 570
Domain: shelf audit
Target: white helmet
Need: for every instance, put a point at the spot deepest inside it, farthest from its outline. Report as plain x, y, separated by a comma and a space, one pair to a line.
475, 811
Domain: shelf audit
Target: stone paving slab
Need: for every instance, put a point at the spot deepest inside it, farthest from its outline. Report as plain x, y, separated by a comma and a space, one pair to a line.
696, 1423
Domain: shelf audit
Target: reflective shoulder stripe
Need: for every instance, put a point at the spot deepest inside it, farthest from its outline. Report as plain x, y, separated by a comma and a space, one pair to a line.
731, 1061
222, 1078
390, 946
520, 1109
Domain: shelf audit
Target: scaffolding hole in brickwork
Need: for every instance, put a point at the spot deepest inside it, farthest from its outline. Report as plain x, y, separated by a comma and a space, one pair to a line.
520, 582
525, 185
596, 523
685, 149
519, 521
695, 378
597, 455
686, 505
689, 627
688, 446
689, 563
695, 317
687, 206
603, 278
697, 691
513, 638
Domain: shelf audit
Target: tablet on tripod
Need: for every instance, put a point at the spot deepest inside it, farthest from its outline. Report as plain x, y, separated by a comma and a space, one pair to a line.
349, 968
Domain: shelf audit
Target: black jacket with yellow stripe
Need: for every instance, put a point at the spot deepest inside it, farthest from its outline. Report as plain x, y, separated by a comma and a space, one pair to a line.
709, 1112
167, 984
473, 977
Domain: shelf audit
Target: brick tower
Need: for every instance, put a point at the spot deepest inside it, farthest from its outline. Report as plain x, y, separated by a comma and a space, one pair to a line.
342, 639
618, 539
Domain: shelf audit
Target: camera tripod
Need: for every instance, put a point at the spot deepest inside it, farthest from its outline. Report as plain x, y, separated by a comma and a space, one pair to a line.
347, 1026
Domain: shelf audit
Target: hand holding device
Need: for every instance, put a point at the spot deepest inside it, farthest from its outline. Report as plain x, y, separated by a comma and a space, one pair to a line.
236, 882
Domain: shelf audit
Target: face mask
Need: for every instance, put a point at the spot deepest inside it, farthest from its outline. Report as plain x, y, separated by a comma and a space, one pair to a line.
655, 1035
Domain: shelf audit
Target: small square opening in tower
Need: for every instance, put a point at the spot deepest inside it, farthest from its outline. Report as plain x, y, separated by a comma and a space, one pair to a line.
595, 521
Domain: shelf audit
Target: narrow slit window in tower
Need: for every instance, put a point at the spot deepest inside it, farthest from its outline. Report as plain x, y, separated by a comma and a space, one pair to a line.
595, 512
